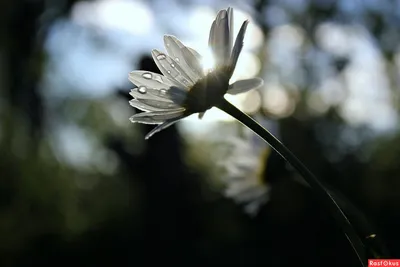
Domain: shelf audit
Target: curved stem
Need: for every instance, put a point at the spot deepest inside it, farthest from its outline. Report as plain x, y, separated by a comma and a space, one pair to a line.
308, 176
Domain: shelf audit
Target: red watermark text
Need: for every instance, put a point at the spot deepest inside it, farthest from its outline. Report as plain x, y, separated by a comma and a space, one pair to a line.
384, 262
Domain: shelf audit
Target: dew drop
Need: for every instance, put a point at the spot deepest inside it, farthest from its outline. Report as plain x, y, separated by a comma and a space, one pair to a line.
172, 65
142, 90
177, 59
163, 91
147, 75
158, 79
161, 56
169, 72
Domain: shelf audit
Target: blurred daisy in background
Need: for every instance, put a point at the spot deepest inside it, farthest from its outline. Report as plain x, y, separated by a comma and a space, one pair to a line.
244, 164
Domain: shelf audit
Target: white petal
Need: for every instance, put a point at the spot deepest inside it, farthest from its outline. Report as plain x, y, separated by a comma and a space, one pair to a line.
174, 97
176, 50
211, 35
157, 117
162, 127
193, 62
237, 48
153, 105
141, 106
150, 79
150, 93
195, 53
242, 86
230, 19
219, 38
171, 69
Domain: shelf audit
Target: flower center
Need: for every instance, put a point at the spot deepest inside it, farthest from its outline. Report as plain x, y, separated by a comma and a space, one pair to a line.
207, 92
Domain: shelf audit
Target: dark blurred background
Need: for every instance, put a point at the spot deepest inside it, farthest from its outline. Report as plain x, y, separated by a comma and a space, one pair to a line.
79, 185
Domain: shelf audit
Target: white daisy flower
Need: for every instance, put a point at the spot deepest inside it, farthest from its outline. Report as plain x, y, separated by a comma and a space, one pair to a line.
244, 170
184, 88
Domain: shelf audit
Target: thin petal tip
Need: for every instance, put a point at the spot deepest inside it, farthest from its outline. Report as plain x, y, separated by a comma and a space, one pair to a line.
222, 13
168, 36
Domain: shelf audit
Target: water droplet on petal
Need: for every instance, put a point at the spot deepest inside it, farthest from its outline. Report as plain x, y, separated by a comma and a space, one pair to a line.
158, 79
142, 90
163, 91
177, 59
147, 75
161, 56
172, 65
169, 72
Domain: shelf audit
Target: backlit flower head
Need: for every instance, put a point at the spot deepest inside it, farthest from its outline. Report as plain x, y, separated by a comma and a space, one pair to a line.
244, 169
185, 88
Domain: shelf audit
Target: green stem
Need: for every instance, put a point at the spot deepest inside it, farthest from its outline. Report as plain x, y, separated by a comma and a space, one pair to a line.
314, 183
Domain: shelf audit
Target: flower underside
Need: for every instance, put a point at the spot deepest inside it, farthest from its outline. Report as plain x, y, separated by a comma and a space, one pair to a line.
184, 88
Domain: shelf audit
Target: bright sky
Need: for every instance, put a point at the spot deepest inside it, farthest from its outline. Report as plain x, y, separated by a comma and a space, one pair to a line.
92, 53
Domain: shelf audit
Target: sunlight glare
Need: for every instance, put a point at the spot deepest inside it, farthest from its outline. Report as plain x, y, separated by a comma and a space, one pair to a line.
208, 61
